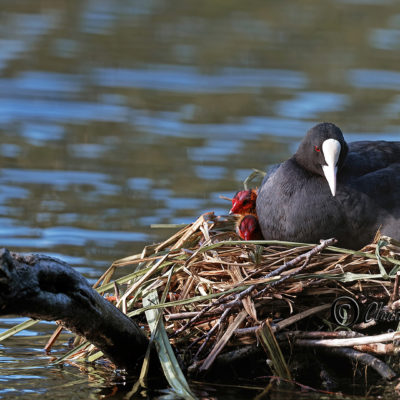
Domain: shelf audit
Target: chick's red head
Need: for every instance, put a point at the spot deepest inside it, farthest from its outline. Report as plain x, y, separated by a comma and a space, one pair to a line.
248, 228
244, 202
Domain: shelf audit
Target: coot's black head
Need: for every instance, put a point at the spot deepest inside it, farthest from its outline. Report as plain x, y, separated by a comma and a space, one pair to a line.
323, 152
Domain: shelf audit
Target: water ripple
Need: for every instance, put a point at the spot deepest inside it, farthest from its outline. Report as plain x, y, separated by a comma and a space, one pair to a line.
189, 79
374, 79
15, 109
310, 104
60, 179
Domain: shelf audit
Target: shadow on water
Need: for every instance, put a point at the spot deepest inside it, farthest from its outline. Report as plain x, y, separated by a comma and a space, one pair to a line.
118, 115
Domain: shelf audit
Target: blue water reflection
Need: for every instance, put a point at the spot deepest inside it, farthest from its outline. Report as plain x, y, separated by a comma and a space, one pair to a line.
62, 111
375, 79
311, 104
59, 179
41, 134
78, 237
385, 39
189, 79
210, 172
215, 150
10, 49
248, 127
41, 81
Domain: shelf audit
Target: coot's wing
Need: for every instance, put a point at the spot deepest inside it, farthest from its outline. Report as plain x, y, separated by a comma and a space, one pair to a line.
382, 185
270, 171
365, 157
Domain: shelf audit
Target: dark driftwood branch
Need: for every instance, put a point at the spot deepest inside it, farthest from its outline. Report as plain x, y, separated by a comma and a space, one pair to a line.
341, 347
42, 287
367, 359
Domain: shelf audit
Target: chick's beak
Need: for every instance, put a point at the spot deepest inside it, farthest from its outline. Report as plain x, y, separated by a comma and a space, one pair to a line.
233, 210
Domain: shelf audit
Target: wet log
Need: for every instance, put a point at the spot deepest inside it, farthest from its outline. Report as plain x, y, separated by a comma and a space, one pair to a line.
41, 287
362, 358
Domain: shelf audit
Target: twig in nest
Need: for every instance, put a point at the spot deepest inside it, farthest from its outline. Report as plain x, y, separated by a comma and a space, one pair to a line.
358, 341
386, 349
186, 315
200, 314
224, 197
318, 335
223, 341
208, 335
395, 294
306, 256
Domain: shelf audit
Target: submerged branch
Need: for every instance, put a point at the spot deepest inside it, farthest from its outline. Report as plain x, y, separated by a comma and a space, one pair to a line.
367, 359
42, 287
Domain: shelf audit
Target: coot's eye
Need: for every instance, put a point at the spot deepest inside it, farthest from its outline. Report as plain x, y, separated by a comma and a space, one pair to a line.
316, 148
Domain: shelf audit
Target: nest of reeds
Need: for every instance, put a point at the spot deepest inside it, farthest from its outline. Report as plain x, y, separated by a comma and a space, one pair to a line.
211, 295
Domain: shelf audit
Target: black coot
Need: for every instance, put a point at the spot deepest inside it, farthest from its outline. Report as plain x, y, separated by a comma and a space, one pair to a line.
331, 189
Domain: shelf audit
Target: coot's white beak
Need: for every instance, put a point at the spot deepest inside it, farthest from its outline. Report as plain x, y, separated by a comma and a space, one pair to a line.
331, 150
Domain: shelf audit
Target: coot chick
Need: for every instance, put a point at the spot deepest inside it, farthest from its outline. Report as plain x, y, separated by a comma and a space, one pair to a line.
331, 189
248, 228
244, 202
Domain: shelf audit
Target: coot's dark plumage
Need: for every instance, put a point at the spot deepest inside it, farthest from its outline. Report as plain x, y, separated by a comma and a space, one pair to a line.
331, 189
